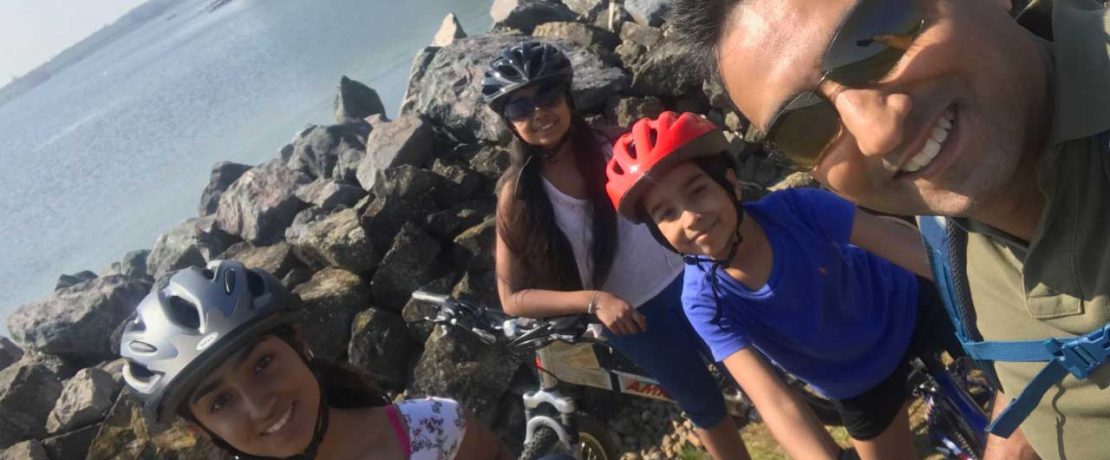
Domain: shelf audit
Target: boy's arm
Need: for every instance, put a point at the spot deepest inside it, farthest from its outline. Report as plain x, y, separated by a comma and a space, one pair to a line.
891, 239
1016, 447
792, 423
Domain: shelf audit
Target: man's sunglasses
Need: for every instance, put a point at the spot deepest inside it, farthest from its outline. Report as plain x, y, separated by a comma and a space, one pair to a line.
867, 46
520, 108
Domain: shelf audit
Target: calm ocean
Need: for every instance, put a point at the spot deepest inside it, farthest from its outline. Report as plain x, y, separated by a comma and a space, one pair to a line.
111, 152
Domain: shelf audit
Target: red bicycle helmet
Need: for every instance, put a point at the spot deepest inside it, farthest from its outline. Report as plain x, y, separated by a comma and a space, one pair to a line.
650, 148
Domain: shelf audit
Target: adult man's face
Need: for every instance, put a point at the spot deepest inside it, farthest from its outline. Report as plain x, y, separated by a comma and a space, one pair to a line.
942, 133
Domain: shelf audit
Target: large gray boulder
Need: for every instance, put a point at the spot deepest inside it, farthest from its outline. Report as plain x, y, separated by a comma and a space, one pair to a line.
75, 322
525, 15
667, 70
331, 299
448, 91
381, 345
648, 12
74, 444
491, 162
449, 31
124, 435
337, 240
446, 224
317, 152
277, 259
134, 264
176, 249
27, 393
404, 141
409, 264
356, 101
406, 194
456, 364
9, 352
27, 450
641, 34
461, 185
630, 109
223, 175
65, 280
259, 205
85, 399
329, 194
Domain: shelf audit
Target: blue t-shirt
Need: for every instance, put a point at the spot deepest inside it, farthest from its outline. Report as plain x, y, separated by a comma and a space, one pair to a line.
831, 313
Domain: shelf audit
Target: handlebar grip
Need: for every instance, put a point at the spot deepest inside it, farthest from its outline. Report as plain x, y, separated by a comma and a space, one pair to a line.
424, 296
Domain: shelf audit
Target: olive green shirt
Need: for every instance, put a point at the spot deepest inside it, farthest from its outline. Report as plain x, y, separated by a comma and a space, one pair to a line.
1058, 285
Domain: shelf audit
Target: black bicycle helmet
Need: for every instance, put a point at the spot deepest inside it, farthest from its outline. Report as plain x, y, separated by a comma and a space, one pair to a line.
190, 323
523, 65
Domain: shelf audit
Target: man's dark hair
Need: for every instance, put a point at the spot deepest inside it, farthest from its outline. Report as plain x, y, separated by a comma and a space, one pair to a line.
698, 26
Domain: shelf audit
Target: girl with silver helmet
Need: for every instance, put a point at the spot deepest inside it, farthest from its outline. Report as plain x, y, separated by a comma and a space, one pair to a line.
220, 348
557, 250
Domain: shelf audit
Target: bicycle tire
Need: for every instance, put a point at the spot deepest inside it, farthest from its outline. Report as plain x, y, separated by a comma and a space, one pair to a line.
543, 442
595, 442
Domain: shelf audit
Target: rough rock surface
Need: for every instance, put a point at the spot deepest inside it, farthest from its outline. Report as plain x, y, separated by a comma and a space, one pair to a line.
223, 175
409, 264
578, 33
9, 352
175, 249
647, 12
356, 101
448, 223
126, 436
211, 241
134, 265
419, 67
278, 259
330, 300
26, 450
86, 398
27, 393
74, 444
641, 34
589, 10
65, 281
325, 151
448, 31
630, 109
525, 15
666, 70
404, 141
473, 248
450, 95
381, 345
259, 205
75, 322
458, 365
338, 241
329, 194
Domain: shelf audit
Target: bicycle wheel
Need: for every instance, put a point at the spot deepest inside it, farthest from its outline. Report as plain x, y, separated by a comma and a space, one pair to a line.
595, 442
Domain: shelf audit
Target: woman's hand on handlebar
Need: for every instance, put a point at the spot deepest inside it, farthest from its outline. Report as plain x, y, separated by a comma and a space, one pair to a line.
618, 316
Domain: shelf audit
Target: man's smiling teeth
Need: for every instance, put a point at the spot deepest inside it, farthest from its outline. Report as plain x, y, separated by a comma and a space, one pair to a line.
545, 127
280, 423
933, 144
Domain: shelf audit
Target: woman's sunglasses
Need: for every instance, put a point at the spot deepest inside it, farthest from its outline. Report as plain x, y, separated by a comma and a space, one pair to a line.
520, 108
868, 45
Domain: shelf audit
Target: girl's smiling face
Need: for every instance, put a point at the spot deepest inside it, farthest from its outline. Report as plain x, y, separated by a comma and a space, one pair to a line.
263, 401
692, 211
548, 121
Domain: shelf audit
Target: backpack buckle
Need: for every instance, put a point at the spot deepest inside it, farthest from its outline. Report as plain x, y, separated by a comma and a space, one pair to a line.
1084, 354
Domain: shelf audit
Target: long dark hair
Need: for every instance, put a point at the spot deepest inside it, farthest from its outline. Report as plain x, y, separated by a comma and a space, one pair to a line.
527, 223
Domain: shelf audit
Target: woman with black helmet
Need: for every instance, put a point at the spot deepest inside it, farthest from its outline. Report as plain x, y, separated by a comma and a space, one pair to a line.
220, 349
557, 234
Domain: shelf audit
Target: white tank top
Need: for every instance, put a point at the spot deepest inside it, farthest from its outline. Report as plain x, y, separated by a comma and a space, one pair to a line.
641, 268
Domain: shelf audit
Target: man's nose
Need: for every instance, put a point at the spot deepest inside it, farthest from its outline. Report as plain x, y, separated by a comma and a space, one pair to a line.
260, 404
874, 117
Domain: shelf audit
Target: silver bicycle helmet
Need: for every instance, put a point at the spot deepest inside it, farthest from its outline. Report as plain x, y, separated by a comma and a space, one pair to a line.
190, 323
523, 65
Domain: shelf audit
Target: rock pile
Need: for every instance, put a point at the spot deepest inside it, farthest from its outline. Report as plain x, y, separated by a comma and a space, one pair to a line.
352, 217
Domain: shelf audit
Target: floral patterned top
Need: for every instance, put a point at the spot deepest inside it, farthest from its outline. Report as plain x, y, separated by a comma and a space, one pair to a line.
435, 427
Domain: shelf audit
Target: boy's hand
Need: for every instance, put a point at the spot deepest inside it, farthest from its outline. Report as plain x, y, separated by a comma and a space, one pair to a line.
618, 316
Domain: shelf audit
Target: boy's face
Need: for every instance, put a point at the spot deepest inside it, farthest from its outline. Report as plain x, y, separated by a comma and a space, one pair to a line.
263, 401
971, 63
692, 211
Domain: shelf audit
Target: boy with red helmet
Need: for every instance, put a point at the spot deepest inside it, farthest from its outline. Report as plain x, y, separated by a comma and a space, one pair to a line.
800, 277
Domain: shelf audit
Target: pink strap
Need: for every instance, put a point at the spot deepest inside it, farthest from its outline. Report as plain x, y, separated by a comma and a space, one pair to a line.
399, 429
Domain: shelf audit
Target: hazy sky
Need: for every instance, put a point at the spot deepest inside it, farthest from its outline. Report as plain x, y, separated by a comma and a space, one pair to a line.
33, 31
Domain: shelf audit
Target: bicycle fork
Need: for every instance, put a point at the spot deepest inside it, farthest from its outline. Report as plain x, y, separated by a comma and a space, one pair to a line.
547, 407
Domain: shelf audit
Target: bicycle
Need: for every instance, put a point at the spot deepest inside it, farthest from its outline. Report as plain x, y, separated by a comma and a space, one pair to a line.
570, 354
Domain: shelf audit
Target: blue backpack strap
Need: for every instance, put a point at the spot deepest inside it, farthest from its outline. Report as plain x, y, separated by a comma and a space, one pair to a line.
1079, 356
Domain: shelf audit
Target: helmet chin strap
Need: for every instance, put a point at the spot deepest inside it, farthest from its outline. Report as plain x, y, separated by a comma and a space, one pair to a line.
321, 429
720, 264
